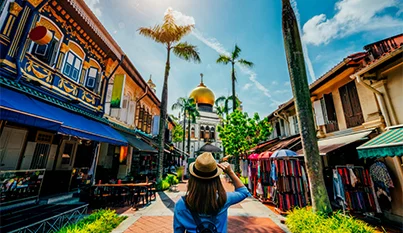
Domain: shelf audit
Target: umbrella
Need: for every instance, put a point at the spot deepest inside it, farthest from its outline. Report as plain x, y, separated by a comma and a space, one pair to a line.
265, 155
253, 156
283, 153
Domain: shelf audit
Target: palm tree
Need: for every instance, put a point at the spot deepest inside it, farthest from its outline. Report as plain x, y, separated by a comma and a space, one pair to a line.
188, 108
225, 108
233, 59
300, 89
193, 113
169, 34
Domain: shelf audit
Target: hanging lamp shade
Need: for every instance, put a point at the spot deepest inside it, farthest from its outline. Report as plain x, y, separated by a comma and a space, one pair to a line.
40, 35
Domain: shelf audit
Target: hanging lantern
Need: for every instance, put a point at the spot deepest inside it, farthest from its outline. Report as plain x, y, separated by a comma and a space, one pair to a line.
40, 35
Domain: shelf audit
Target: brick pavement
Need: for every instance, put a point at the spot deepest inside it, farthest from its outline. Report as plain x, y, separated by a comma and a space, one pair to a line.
248, 216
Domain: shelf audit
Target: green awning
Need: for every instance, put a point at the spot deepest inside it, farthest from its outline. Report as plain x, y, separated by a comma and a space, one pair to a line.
389, 143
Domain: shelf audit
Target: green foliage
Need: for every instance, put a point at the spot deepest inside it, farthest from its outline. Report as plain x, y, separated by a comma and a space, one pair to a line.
177, 133
103, 221
172, 179
306, 221
244, 180
165, 183
240, 133
179, 172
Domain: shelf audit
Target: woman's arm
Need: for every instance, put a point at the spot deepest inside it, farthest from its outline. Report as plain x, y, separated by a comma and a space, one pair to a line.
226, 167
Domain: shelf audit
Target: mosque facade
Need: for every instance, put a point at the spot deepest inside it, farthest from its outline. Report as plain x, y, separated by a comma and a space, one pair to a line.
205, 129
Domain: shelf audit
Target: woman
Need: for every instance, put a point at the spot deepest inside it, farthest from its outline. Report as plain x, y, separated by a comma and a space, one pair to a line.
206, 202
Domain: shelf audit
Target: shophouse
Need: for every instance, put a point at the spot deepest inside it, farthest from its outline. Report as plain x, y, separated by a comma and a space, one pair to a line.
355, 101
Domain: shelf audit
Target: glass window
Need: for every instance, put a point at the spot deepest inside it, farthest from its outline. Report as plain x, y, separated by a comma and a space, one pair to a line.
72, 66
47, 52
91, 82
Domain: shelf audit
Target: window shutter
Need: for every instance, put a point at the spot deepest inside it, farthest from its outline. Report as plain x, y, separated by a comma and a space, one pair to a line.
97, 82
317, 106
345, 101
291, 123
330, 109
52, 52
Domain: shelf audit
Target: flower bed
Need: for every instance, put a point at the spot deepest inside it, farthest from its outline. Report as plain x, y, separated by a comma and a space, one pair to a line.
102, 221
305, 220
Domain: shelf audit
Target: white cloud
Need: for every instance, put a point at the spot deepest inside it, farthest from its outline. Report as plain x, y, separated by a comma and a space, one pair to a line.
247, 86
219, 48
274, 83
352, 16
304, 47
92, 4
180, 18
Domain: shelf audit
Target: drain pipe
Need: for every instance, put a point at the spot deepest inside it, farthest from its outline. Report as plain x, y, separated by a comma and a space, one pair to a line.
108, 78
379, 95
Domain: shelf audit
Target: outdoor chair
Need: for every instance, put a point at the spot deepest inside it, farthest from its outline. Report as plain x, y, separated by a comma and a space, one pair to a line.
152, 192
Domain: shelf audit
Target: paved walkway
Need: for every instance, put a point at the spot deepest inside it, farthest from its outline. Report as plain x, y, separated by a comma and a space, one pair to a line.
248, 216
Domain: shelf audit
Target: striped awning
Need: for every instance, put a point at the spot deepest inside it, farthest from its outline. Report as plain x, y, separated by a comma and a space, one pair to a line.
389, 143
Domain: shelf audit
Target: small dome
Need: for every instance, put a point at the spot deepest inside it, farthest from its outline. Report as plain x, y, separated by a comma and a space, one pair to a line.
202, 95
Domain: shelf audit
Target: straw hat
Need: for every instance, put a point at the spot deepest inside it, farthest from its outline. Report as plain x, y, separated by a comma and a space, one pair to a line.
205, 167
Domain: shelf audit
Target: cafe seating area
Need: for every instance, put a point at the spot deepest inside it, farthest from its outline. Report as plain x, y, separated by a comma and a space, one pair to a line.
134, 195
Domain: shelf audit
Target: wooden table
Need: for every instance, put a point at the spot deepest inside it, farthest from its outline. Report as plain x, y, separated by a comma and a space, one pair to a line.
130, 185
125, 185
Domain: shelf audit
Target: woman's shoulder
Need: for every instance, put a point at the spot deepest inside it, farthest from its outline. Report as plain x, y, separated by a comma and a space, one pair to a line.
180, 204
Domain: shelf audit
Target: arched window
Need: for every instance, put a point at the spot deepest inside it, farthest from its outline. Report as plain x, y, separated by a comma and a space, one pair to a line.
207, 133
93, 77
192, 132
201, 131
212, 133
48, 52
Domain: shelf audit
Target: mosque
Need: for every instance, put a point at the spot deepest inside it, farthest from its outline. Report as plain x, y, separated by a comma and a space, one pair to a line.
203, 134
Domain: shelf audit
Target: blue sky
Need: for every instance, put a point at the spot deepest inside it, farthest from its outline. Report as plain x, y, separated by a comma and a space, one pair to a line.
331, 30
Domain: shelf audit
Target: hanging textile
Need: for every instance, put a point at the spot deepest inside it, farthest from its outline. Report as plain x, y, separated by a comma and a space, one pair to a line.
338, 188
291, 186
358, 189
380, 176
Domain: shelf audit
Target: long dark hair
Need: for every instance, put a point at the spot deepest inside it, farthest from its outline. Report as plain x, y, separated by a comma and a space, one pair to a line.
205, 196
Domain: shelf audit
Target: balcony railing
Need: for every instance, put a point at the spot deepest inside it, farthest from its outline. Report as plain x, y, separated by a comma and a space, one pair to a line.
41, 73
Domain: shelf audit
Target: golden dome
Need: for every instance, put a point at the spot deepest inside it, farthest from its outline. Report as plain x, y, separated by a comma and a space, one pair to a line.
202, 95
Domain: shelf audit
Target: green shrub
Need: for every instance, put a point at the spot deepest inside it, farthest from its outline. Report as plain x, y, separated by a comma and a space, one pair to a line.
179, 171
244, 180
306, 221
163, 185
172, 179
103, 221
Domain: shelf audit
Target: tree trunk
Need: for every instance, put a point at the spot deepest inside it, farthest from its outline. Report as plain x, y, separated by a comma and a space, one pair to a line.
299, 82
184, 134
233, 88
163, 114
188, 136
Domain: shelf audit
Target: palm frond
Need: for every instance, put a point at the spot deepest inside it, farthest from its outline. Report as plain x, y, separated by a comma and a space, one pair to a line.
245, 63
187, 52
236, 52
179, 104
153, 33
223, 59
219, 100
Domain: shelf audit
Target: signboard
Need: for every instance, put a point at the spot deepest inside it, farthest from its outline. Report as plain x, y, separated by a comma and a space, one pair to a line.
19, 185
118, 90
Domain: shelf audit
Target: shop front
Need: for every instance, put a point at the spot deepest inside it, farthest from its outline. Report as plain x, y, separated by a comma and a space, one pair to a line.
384, 154
39, 132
